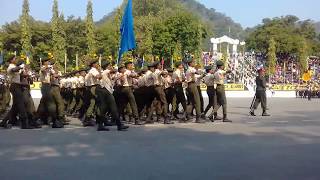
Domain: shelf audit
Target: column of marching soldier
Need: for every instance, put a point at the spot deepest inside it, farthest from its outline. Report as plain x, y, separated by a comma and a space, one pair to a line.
104, 96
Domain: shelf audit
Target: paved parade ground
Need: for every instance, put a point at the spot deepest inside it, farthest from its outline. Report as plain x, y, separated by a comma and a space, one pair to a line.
284, 146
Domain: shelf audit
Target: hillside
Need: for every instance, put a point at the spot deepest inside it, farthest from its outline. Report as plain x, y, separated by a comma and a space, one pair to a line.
218, 22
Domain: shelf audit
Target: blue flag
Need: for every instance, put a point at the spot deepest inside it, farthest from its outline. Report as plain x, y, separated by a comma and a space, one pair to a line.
128, 41
1, 58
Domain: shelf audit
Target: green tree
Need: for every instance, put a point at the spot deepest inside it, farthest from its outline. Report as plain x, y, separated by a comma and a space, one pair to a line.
25, 30
90, 30
302, 55
58, 35
272, 58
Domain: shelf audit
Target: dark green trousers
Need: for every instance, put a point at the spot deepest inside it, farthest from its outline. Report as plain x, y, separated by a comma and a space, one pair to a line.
162, 100
18, 103
47, 106
5, 98
58, 100
127, 91
201, 99
194, 97
179, 98
221, 99
212, 99
261, 97
106, 103
91, 100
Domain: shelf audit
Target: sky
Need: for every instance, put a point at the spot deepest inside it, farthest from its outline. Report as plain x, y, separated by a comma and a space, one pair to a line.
246, 12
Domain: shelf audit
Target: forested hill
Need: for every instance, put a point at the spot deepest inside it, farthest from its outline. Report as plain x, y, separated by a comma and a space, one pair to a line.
218, 22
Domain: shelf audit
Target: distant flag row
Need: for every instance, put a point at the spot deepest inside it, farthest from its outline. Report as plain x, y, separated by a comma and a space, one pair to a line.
26, 57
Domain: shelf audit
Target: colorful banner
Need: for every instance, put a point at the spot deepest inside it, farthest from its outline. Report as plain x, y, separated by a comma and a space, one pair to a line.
35, 86
284, 87
228, 87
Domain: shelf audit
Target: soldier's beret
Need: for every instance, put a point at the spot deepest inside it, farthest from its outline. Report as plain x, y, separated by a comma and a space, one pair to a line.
11, 57
219, 63
105, 64
208, 67
92, 62
128, 62
189, 61
170, 70
178, 63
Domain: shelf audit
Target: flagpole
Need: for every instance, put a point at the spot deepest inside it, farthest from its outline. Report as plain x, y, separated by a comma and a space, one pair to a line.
65, 63
100, 59
77, 61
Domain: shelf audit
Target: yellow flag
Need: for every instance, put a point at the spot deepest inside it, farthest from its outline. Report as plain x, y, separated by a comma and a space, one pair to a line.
28, 60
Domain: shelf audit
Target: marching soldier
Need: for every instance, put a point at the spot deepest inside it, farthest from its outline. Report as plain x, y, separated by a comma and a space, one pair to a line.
193, 91
169, 89
105, 99
199, 79
92, 81
16, 89
26, 81
260, 96
127, 91
45, 76
220, 92
149, 92
178, 79
211, 91
159, 91
4, 94
55, 92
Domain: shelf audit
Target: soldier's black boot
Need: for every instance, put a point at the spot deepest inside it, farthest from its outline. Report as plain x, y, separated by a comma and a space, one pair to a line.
25, 124
216, 117
36, 123
88, 122
101, 127
56, 123
200, 121
5, 124
265, 113
138, 122
225, 119
167, 120
122, 127
203, 116
252, 113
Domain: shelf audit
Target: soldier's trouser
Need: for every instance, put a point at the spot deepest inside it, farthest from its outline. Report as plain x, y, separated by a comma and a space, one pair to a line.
106, 102
42, 108
260, 98
180, 98
58, 100
170, 93
18, 103
127, 91
194, 97
221, 99
3, 98
212, 98
161, 97
73, 101
52, 105
91, 93
29, 104
201, 99
79, 97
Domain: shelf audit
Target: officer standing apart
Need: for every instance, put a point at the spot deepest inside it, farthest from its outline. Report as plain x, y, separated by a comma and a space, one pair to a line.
261, 97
